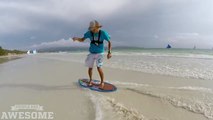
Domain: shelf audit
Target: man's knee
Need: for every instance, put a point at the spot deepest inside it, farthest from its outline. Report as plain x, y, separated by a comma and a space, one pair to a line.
90, 69
99, 69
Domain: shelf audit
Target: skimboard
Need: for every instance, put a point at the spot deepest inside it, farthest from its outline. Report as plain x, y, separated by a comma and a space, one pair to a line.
95, 85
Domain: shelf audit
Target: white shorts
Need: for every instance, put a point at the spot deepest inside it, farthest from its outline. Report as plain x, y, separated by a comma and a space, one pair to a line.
92, 58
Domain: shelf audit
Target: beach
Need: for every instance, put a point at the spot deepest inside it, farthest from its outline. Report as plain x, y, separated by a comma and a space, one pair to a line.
151, 86
10, 57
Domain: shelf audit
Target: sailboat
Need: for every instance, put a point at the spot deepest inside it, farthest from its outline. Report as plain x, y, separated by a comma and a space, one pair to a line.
34, 51
28, 52
169, 46
194, 47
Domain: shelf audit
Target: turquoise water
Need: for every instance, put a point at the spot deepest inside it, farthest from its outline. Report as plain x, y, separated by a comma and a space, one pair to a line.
202, 53
186, 63
164, 51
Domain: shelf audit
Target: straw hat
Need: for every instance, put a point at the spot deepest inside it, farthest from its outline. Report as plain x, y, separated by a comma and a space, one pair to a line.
94, 24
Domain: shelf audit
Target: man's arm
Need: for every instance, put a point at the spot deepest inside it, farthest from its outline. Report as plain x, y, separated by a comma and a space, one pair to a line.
109, 55
78, 39
109, 46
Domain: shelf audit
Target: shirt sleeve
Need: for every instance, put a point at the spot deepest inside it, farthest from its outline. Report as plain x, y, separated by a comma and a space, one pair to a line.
87, 35
106, 36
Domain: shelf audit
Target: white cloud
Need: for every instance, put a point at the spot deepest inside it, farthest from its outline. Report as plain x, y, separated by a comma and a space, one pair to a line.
141, 21
156, 36
59, 43
189, 40
68, 43
70, 11
32, 37
13, 24
186, 36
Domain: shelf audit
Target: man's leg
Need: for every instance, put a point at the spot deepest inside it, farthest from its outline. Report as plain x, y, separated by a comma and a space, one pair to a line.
89, 62
100, 71
90, 76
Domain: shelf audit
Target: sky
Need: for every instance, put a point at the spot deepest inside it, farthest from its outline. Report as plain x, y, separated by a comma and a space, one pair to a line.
34, 24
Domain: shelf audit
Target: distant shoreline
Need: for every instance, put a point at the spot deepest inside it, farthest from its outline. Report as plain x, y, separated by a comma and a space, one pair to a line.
10, 57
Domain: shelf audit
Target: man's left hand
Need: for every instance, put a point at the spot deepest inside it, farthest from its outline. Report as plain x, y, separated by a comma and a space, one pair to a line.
109, 55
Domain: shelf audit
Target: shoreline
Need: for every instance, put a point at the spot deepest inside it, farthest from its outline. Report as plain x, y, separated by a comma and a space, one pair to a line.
10, 57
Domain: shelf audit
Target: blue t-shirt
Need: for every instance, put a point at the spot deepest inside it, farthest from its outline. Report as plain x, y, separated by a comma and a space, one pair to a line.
100, 47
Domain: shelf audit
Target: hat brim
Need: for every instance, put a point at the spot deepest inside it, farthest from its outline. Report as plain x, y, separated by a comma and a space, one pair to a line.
93, 27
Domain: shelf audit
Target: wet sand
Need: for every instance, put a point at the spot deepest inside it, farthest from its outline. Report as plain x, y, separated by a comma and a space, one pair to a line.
9, 58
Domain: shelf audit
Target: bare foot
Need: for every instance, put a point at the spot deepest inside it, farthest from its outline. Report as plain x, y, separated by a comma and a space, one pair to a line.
90, 83
101, 86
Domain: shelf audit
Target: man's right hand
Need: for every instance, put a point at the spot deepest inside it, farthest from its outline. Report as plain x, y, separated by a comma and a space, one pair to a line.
75, 38
78, 39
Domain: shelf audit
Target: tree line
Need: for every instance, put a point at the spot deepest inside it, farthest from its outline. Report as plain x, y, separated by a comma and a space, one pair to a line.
6, 52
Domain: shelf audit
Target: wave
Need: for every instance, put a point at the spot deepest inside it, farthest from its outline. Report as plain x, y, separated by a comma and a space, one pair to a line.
124, 113
191, 88
178, 67
194, 106
121, 112
165, 54
148, 54
129, 84
98, 110
172, 67
128, 114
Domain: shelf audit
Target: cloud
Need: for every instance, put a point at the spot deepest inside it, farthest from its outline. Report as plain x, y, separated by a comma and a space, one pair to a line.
30, 15
141, 23
58, 43
67, 43
187, 36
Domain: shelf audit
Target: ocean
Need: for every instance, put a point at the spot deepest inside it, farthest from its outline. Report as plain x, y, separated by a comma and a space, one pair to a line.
186, 63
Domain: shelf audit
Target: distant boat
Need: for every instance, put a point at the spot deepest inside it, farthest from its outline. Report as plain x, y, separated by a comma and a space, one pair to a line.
28, 52
169, 46
34, 51
194, 47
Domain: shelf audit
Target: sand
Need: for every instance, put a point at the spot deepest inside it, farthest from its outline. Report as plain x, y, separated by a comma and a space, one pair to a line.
53, 84
10, 57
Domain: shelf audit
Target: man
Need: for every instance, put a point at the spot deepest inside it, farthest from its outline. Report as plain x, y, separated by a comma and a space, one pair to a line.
96, 49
